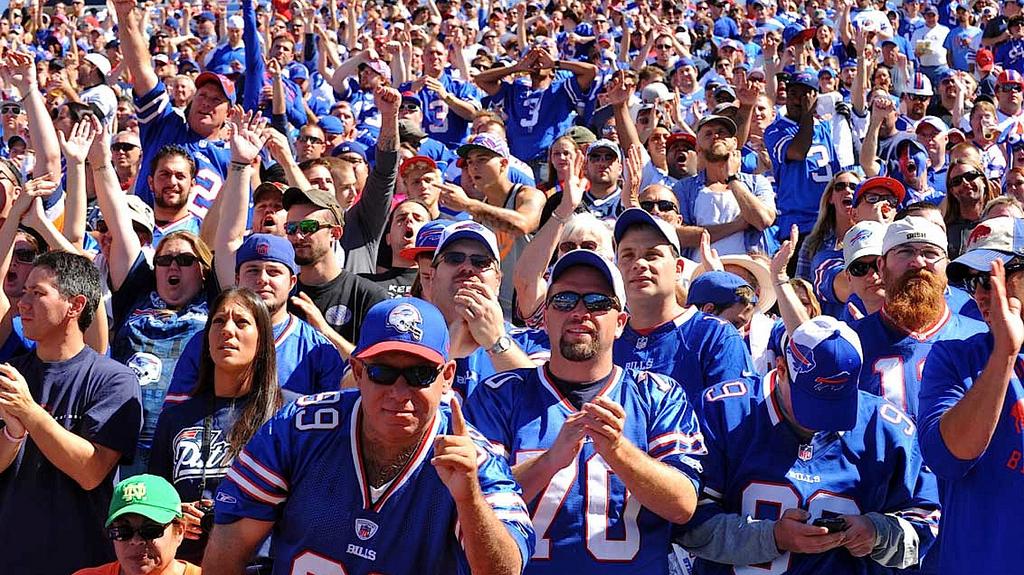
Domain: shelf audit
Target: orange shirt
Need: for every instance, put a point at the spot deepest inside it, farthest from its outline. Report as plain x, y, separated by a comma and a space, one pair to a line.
114, 569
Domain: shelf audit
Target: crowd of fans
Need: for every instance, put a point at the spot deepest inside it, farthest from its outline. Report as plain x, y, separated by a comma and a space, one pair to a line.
700, 286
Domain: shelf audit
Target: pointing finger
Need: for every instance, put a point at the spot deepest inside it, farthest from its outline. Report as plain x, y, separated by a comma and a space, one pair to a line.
458, 420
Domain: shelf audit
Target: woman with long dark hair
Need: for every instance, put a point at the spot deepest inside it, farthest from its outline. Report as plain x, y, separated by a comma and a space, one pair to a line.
968, 189
237, 392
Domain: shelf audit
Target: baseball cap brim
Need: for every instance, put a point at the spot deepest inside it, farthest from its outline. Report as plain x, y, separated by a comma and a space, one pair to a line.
414, 252
880, 182
418, 350
803, 36
815, 413
593, 260
862, 252
157, 514
467, 234
211, 78
464, 150
976, 260
638, 216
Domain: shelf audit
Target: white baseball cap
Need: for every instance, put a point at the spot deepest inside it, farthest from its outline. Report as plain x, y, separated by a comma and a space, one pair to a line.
863, 239
100, 61
999, 238
468, 230
913, 230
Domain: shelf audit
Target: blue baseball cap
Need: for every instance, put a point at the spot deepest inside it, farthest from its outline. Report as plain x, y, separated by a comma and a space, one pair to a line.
943, 72
349, 148
266, 248
999, 238
796, 34
298, 73
634, 216
206, 16
591, 259
468, 230
426, 239
331, 125
406, 324
827, 70
716, 287
824, 358
804, 78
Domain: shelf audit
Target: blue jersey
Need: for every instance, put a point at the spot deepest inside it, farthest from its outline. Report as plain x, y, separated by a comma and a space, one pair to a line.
537, 117
190, 223
981, 496
159, 126
439, 121
367, 115
894, 358
696, 349
477, 366
758, 467
799, 184
586, 521
826, 264
306, 363
303, 470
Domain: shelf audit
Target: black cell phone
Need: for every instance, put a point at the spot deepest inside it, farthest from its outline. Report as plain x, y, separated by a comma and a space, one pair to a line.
833, 524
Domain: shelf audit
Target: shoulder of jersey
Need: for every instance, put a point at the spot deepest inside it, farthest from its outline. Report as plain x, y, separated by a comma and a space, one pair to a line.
648, 379
894, 420
513, 377
711, 318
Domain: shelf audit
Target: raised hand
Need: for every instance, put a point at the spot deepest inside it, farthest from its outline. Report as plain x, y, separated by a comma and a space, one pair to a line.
604, 422
274, 68
455, 458
478, 304
99, 151
387, 100
248, 135
632, 176
620, 91
748, 93
708, 255
781, 259
76, 145
19, 68
1004, 313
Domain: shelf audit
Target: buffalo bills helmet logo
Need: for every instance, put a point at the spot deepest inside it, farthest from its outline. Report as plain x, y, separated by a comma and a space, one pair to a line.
861, 236
832, 383
979, 233
405, 318
803, 357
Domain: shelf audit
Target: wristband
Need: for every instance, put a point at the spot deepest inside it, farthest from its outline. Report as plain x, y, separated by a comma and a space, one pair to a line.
11, 438
732, 178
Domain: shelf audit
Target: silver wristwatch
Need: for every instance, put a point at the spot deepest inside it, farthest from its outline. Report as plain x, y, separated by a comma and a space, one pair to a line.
503, 344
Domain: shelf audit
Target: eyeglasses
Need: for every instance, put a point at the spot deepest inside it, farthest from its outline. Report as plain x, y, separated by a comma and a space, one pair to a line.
876, 198
409, 107
123, 147
147, 532
663, 46
1011, 88
479, 261
10, 110
842, 186
919, 98
418, 376
183, 260
310, 140
594, 302
930, 255
565, 247
25, 256
305, 227
860, 269
662, 205
609, 157
961, 178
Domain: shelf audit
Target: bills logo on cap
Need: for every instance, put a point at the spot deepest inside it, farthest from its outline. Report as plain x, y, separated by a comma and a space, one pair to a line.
979, 233
833, 383
861, 236
405, 318
365, 528
803, 356
262, 248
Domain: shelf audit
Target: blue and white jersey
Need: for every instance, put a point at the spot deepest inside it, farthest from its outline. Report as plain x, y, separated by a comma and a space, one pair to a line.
826, 264
303, 470
306, 363
981, 496
894, 358
439, 121
537, 117
159, 126
476, 367
696, 349
586, 520
758, 467
189, 223
363, 109
799, 184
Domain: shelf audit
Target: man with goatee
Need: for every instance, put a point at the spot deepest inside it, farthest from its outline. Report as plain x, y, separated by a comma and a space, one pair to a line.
897, 338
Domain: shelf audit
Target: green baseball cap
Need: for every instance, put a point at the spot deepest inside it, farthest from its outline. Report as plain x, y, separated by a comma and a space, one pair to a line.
150, 496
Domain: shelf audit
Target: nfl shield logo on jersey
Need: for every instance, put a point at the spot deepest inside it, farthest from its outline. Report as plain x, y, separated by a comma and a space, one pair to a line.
365, 529
641, 342
806, 452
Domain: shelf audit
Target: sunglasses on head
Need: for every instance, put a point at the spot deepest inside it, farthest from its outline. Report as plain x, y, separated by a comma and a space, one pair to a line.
305, 227
860, 269
961, 178
183, 260
418, 376
594, 302
147, 532
565, 247
662, 205
479, 261
25, 256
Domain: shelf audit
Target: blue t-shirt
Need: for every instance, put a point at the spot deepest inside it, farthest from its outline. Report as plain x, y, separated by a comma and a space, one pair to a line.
52, 524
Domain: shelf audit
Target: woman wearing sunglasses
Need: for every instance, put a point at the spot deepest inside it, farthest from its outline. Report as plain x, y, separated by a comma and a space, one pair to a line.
237, 391
823, 248
967, 192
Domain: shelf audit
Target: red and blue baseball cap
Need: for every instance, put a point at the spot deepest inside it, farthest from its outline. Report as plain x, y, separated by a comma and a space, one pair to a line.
824, 358
994, 239
266, 248
405, 324
591, 259
806, 78
486, 142
796, 34
426, 239
223, 82
1010, 77
468, 230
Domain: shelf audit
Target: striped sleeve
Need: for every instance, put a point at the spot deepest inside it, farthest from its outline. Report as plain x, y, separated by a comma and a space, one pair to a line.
154, 105
256, 486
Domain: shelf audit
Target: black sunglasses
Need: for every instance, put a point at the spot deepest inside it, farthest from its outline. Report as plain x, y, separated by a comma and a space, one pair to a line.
123, 147
584, 245
959, 179
594, 302
306, 227
919, 98
844, 186
479, 261
1011, 88
147, 532
984, 280
310, 140
10, 109
861, 269
418, 376
183, 260
25, 256
662, 205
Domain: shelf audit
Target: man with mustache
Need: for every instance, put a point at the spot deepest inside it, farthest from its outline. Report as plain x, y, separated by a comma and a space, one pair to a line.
914, 314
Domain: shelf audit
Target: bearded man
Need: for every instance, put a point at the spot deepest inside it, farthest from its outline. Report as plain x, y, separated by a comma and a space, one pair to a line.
897, 338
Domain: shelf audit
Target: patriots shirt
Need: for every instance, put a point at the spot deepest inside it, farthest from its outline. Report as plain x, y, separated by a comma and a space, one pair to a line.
303, 470
586, 520
159, 126
799, 184
758, 467
696, 349
894, 357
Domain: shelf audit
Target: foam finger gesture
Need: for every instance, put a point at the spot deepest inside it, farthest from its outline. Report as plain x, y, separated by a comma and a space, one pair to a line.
455, 457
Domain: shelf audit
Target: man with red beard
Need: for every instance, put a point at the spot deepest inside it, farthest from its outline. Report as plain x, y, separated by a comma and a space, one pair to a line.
172, 175
896, 339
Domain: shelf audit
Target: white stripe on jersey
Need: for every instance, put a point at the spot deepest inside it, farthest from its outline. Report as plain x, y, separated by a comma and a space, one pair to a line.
253, 490
147, 112
263, 472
